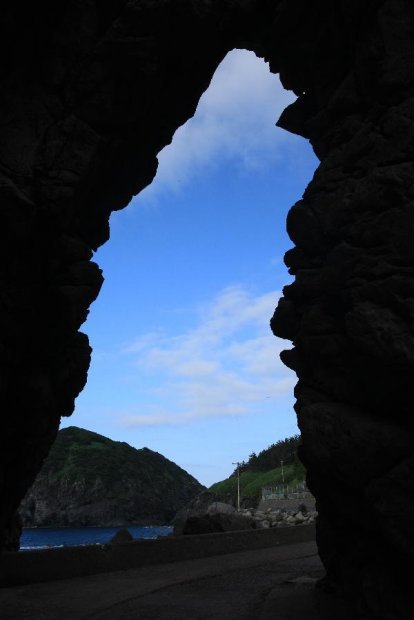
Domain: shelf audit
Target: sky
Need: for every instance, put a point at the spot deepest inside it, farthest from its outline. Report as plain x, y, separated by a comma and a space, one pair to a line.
183, 360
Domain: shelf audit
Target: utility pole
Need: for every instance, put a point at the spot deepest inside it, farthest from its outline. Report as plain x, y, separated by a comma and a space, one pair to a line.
283, 481
238, 485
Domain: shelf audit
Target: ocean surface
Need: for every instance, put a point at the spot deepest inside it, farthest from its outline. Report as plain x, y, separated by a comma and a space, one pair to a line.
47, 537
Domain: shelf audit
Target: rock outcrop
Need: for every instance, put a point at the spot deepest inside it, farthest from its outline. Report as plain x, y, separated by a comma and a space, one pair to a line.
88, 479
122, 536
90, 93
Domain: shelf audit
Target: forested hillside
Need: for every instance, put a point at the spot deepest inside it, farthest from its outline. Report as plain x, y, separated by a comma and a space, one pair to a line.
285, 450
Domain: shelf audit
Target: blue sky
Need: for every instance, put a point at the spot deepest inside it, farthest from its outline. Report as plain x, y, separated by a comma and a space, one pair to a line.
184, 361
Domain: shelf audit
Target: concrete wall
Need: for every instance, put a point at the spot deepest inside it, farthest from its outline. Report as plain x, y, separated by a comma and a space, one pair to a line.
286, 504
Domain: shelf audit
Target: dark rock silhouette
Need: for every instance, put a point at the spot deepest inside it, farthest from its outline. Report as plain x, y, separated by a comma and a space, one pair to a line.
90, 93
215, 522
121, 536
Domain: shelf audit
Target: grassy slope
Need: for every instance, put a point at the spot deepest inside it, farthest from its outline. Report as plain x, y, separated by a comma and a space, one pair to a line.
251, 483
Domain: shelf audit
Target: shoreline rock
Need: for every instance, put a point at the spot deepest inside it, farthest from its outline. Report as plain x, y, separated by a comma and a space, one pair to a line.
122, 536
221, 517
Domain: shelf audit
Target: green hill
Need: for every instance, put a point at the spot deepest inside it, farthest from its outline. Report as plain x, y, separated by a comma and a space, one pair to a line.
264, 469
285, 450
88, 479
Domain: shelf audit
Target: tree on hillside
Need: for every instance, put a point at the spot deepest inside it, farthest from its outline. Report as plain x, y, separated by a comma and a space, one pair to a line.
285, 450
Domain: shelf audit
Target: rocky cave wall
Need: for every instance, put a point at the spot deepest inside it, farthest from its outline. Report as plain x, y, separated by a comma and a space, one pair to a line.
90, 92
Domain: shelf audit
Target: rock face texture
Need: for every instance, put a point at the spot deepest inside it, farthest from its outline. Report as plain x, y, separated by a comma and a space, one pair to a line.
349, 312
90, 93
90, 480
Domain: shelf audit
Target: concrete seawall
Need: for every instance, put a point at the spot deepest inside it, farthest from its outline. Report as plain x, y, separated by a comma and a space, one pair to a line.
286, 504
55, 564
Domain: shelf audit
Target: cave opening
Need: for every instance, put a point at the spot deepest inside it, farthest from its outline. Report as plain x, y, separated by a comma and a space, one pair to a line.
183, 360
86, 117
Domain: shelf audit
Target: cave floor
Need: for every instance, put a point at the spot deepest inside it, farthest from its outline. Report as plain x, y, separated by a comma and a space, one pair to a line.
276, 583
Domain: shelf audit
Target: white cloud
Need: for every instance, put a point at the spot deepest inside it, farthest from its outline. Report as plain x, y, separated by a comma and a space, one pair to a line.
235, 120
227, 365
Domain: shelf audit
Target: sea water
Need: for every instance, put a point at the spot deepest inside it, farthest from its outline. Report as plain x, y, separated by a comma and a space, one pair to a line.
47, 537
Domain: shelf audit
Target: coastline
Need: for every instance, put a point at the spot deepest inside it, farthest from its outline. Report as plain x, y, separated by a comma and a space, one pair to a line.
69, 562
34, 539
272, 582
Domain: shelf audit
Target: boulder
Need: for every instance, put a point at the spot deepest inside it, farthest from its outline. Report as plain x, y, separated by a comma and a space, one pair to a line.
121, 536
217, 522
220, 507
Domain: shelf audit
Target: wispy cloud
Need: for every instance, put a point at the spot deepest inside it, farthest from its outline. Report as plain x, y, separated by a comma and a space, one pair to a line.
235, 120
226, 365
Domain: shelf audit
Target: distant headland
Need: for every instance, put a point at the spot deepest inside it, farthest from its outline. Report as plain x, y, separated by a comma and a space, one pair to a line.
90, 480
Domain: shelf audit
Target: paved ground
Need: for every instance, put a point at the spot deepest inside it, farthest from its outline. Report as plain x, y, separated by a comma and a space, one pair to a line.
266, 584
